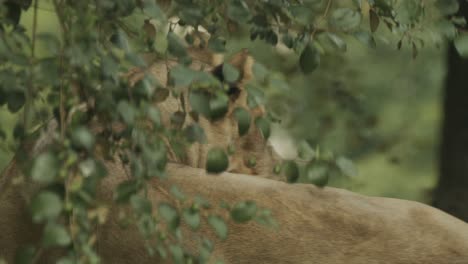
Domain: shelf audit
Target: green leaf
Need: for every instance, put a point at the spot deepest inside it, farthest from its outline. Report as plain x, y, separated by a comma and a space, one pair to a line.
178, 119
263, 124
200, 102
217, 44
347, 167
288, 41
55, 235
182, 76
45, 168
125, 190
67, 260
374, 20
461, 44
178, 194
217, 160
260, 72
447, 7
265, 218
3, 135
338, 42
195, 133
50, 41
309, 59
231, 149
141, 205
3, 96
291, 171
177, 254
18, 131
277, 168
251, 162
219, 226
459, 21
255, 96
167, 211
45, 206
230, 73
15, 101
152, 9
345, 19
135, 59
154, 115
25, 255
244, 211
176, 46
300, 14
127, 112
238, 11
366, 38
447, 29
120, 40
317, 173
161, 94
358, 3
219, 106
243, 120
82, 138
191, 16
191, 217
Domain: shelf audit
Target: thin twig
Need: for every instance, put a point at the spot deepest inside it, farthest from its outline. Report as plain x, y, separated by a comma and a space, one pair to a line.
61, 67
323, 17
30, 88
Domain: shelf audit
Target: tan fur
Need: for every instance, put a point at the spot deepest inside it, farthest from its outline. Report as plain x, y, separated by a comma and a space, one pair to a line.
316, 226
223, 132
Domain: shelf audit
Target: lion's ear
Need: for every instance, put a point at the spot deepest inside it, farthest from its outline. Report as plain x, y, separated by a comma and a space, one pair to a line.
243, 62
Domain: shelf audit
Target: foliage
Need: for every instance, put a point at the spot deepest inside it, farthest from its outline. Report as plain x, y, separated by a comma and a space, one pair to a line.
99, 40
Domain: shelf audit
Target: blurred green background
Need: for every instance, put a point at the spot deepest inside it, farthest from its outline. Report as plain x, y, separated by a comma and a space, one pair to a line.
403, 94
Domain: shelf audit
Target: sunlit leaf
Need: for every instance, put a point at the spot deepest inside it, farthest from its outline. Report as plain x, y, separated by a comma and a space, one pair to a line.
218, 224
45, 168
55, 235
461, 44
45, 206
317, 173
191, 217
347, 167
366, 38
230, 73
345, 19
82, 138
244, 211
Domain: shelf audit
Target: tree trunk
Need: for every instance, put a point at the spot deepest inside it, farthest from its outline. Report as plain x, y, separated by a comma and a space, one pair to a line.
451, 194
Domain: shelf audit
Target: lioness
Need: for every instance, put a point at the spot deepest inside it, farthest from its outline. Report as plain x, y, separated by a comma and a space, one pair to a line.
316, 225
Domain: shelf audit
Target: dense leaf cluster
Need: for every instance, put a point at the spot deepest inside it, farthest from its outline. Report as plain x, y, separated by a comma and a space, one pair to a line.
80, 67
